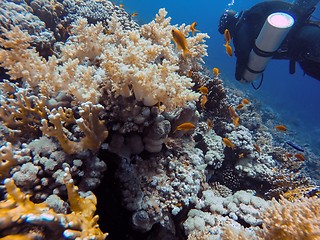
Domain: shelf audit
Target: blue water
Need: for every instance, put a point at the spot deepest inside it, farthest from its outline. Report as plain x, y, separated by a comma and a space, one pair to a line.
295, 98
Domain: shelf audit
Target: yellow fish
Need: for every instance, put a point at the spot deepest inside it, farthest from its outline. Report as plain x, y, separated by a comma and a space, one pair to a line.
228, 49
232, 112
281, 128
227, 36
203, 101
228, 143
216, 71
245, 101
239, 106
134, 14
204, 90
185, 126
235, 121
300, 157
180, 41
193, 28
209, 123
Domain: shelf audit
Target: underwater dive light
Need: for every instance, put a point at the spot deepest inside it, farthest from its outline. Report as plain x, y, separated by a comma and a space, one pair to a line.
273, 32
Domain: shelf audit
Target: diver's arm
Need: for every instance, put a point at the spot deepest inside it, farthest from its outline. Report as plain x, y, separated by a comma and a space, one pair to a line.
305, 48
243, 43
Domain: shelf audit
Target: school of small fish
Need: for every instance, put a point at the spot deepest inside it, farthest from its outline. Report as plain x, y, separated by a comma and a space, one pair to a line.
181, 44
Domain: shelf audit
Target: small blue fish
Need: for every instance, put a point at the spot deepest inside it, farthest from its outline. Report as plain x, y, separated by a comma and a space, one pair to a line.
295, 146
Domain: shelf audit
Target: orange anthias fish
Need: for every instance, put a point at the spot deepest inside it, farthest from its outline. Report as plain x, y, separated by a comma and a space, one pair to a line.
185, 126
209, 123
227, 36
204, 90
193, 28
228, 143
228, 49
281, 128
134, 14
232, 112
239, 106
236, 121
203, 101
300, 157
216, 71
245, 101
180, 41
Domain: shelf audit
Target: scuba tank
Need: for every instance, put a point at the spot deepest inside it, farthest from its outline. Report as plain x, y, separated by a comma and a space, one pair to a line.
272, 34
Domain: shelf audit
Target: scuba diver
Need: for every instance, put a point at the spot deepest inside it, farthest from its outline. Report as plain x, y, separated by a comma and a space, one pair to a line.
251, 33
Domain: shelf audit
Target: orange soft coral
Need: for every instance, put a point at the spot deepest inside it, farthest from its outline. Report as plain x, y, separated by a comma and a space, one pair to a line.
20, 217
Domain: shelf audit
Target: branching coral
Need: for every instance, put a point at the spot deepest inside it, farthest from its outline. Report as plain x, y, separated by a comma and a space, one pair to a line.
94, 130
127, 62
52, 75
293, 220
23, 112
7, 160
20, 216
19, 58
26, 114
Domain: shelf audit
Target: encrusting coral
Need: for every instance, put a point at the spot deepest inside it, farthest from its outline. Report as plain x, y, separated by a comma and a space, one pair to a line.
21, 217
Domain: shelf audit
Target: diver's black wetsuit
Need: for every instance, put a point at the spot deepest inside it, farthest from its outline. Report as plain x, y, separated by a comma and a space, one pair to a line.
305, 49
295, 47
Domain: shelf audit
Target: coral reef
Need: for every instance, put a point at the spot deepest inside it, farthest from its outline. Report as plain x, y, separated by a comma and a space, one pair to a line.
168, 184
84, 88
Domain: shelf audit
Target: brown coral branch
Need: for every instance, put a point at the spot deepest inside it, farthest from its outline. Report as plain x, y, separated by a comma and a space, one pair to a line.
7, 160
18, 212
93, 128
